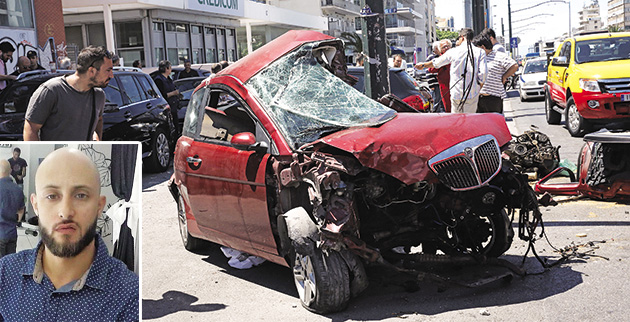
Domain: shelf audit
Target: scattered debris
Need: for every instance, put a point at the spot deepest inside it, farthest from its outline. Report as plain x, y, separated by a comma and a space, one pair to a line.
580, 235
484, 312
241, 260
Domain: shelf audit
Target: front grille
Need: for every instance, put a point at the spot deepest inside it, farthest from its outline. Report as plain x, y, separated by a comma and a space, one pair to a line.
464, 171
622, 108
618, 85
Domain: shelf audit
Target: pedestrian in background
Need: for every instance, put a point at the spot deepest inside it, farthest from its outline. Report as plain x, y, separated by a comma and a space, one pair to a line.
115, 60
18, 167
167, 88
496, 45
431, 78
23, 66
11, 210
500, 67
444, 77
397, 61
467, 72
187, 72
6, 54
136, 64
70, 107
32, 56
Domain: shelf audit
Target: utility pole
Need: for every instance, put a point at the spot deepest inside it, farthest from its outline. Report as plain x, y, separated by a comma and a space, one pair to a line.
373, 36
510, 25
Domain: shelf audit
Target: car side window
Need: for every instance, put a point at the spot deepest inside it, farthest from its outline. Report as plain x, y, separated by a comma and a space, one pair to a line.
130, 88
566, 50
225, 116
146, 86
196, 104
112, 93
17, 98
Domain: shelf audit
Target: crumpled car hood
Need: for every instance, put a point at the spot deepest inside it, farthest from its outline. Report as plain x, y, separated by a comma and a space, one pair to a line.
402, 146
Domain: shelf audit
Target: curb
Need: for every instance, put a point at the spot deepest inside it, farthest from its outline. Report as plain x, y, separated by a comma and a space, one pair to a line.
508, 112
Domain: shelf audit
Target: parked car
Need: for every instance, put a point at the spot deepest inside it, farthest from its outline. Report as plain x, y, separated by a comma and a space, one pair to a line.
603, 169
134, 111
402, 86
202, 70
588, 80
532, 79
281, 159
186, 86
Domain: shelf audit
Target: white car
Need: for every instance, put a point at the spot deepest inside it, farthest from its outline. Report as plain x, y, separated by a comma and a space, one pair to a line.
532, 79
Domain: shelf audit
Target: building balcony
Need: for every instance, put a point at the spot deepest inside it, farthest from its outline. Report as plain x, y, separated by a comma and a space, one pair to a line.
407, 13
340, 7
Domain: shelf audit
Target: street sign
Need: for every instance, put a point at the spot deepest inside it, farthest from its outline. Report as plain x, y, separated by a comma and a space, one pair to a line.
514, 42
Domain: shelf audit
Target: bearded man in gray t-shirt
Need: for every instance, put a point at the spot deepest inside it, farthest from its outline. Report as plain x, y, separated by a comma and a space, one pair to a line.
70, 107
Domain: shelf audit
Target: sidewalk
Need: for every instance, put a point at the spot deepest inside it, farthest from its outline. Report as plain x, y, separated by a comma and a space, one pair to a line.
26, 241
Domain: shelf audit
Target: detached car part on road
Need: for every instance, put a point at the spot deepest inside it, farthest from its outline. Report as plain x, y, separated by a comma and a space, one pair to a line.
281, 159
603, 170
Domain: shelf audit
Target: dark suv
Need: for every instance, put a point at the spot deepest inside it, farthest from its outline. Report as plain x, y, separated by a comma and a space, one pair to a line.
134, 111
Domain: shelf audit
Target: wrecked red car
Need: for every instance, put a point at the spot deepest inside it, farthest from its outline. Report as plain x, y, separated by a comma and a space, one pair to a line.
281, 159
603, 170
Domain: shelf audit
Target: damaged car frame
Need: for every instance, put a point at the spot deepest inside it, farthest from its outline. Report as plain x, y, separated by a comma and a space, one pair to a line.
281, 159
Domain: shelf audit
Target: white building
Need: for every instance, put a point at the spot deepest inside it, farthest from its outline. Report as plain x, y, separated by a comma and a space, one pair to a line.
619, 14
204, 31
590, 18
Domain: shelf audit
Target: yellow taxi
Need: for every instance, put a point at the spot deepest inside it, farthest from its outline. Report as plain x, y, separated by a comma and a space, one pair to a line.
588, 80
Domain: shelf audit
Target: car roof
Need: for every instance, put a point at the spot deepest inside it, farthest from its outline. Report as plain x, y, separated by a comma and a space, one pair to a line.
602, 36
250, 65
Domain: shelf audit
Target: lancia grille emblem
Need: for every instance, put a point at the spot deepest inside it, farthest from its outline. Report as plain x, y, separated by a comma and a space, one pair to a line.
468, 152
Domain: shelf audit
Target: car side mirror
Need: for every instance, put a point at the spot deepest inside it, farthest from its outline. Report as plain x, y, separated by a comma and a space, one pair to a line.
247, 141
560, 61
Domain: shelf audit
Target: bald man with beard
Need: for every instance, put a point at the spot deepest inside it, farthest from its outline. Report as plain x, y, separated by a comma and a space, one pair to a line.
23, 66
69, 276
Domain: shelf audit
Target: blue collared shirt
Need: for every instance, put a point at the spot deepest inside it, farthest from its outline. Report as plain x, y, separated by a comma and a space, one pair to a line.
107, 292
11, 200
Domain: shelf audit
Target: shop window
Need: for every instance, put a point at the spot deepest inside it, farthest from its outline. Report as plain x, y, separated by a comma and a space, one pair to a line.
129, 34
177, 55
221, 32
209, 31
159, 54
232, 55
211, 55
171, 55
176, 27
222, 54
74, 36
196, 29
197, 55
158, 26
129, 56
96, 34
16, 13
230, 32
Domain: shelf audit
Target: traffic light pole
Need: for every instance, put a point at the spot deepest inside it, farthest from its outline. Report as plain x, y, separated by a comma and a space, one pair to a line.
373, 36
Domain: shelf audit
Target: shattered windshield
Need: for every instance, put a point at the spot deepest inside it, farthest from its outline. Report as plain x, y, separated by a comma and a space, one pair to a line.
306, 101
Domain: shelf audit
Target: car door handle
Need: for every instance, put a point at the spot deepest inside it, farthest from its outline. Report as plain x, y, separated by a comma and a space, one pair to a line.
149, 105
193, 160
557, 72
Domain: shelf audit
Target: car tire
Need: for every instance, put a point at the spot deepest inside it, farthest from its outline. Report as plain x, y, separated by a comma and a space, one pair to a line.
161, 154
553, 117
499, 239
321, 279
576, 124
190, 243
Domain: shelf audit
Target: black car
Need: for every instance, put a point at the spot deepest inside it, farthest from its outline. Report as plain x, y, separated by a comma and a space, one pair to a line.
134, 111
402, 86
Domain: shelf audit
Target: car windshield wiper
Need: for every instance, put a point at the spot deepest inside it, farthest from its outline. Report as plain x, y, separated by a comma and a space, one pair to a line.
323, 129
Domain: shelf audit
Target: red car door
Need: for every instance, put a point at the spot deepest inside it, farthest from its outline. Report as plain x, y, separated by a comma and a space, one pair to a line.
225, 184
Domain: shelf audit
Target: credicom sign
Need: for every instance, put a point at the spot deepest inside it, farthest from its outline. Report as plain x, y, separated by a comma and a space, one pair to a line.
228, 7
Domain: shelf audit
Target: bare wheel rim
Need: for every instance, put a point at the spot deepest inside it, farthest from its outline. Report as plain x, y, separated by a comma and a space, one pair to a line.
183, 225
162, 150
574, 118
304, 276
